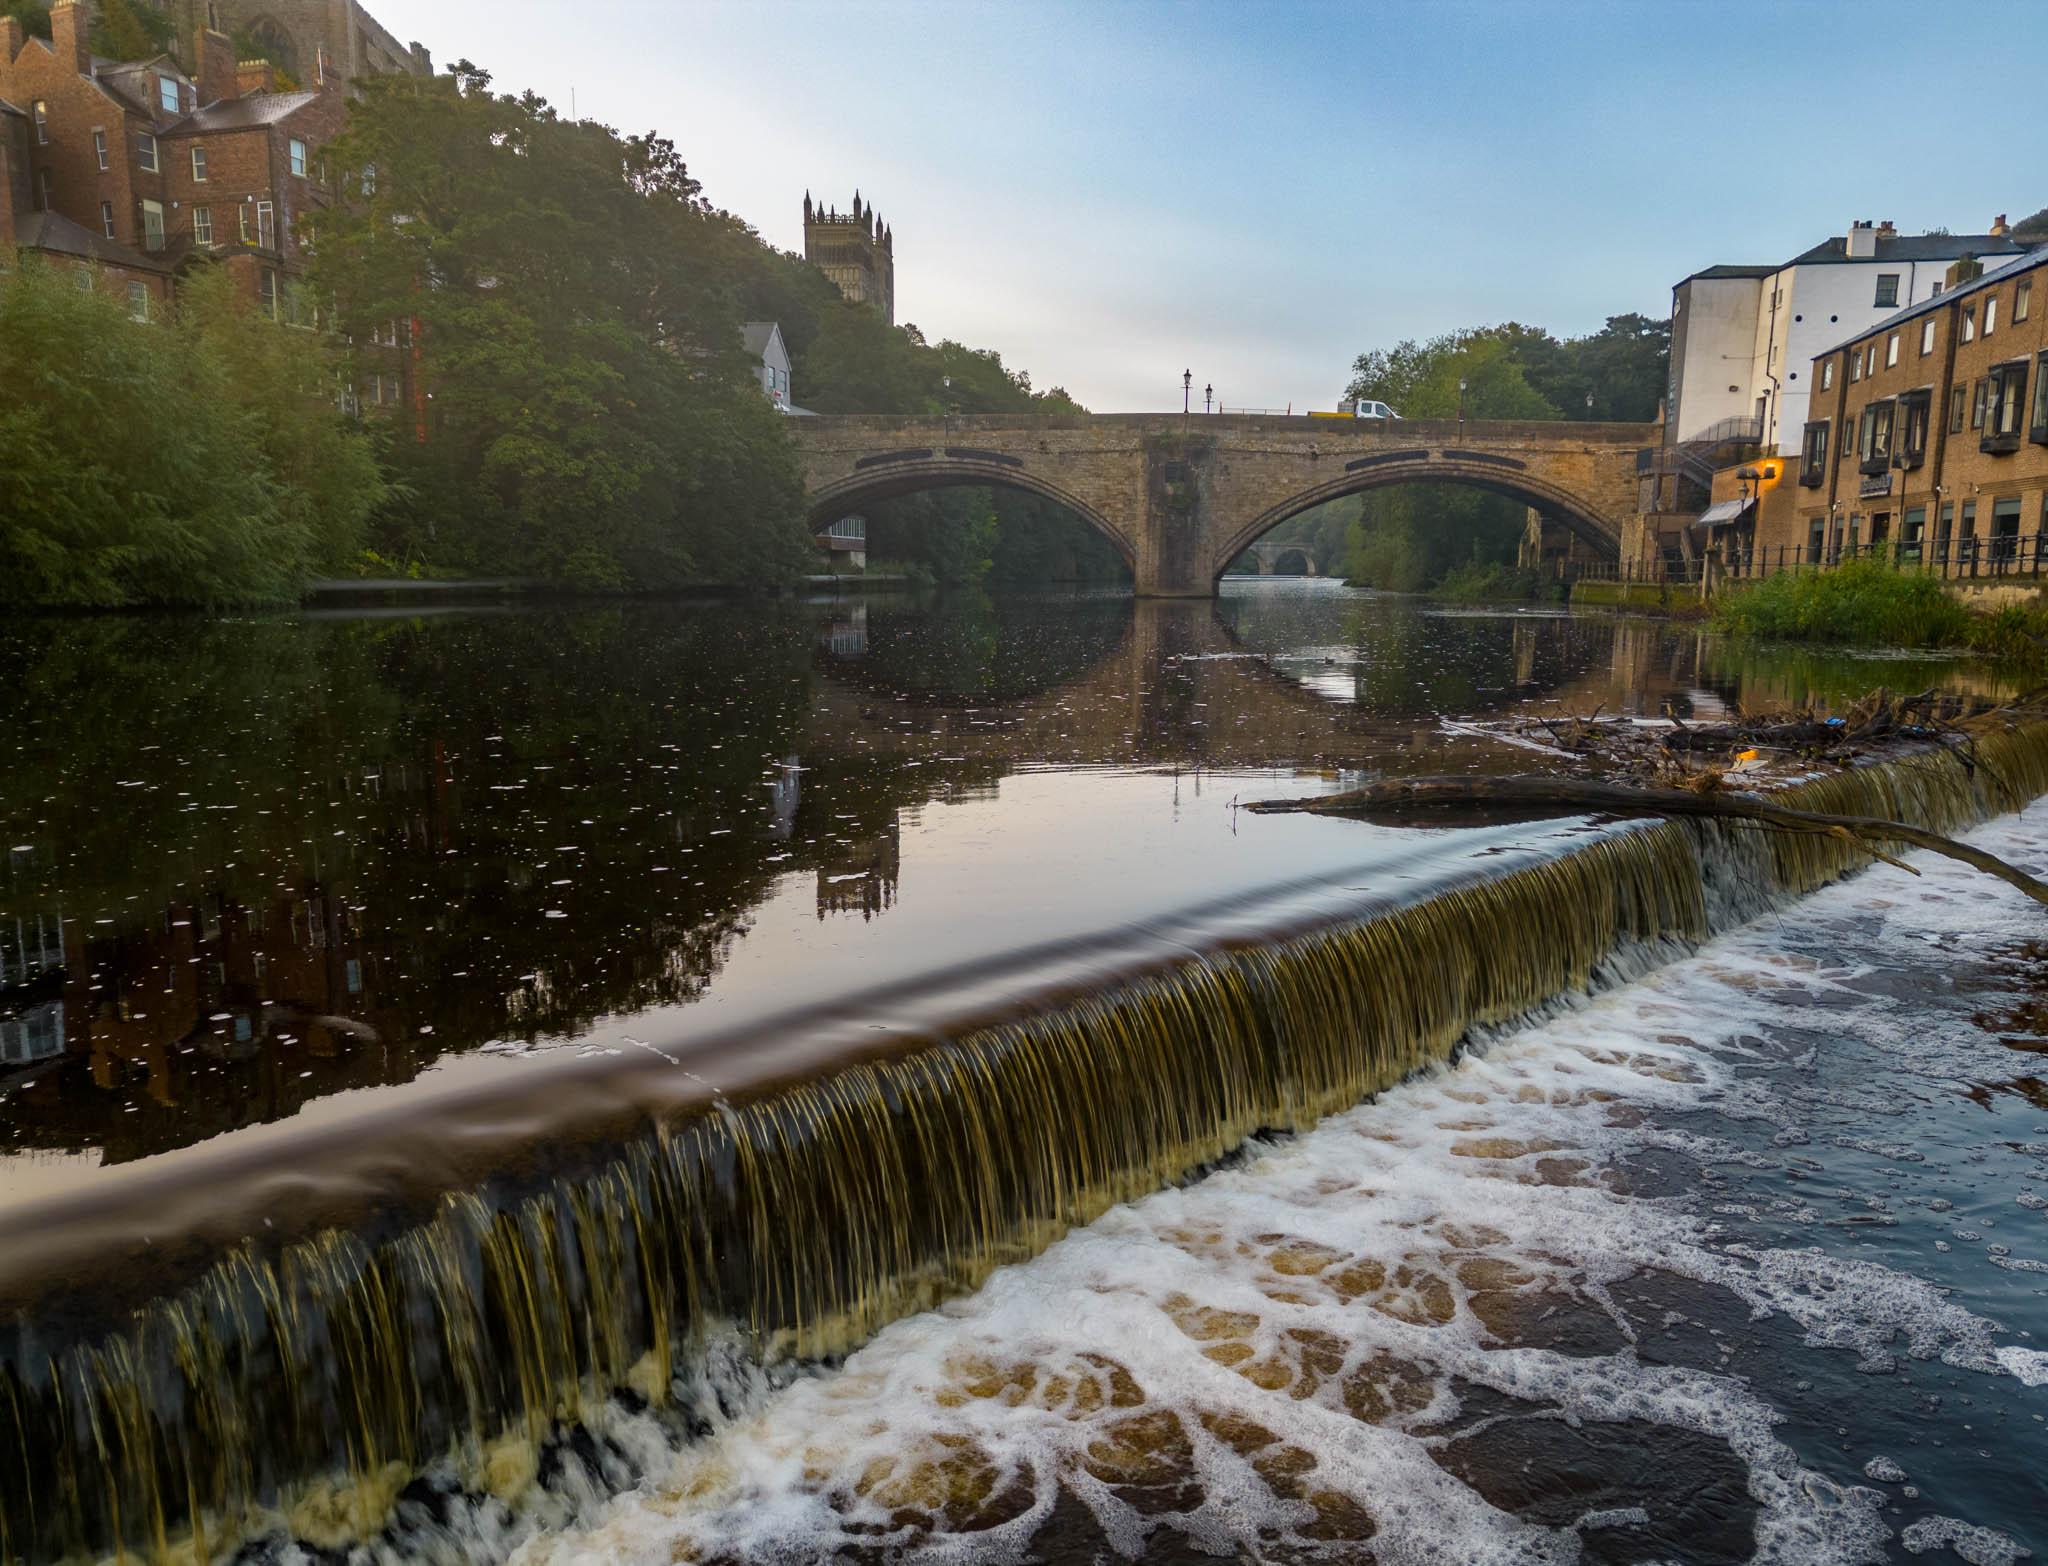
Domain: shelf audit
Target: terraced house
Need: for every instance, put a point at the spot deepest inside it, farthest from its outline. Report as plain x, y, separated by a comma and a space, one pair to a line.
1927, 435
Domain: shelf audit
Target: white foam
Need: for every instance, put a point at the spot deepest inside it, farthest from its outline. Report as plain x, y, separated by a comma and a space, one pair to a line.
1287, 1339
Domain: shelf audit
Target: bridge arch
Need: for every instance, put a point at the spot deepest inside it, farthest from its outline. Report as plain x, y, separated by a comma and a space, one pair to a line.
887, 475
1476, 471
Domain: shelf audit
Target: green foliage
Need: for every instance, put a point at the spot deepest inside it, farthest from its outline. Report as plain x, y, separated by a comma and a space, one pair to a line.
1420, 380
1866, 601
193, 461
121, 30
1408, 538
593, 423
950, 533
34, 15
1490, 583
2012, 635
2033, 227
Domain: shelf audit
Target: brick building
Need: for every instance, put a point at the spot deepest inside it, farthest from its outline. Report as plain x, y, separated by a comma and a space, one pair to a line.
143, 168
1927, 434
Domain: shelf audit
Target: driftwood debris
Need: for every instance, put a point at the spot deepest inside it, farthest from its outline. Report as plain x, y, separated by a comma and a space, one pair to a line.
1421, 796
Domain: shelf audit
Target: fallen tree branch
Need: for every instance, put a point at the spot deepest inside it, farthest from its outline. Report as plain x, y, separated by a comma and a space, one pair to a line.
1406, 796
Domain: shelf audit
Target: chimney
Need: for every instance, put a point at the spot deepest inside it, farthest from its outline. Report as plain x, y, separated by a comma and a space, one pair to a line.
1862, 241
70, 25
1998, 227
255, 76
1966, 270
1885, 230
218, 77
11, 39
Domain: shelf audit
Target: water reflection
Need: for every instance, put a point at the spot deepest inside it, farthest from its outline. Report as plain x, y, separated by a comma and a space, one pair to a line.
250, 864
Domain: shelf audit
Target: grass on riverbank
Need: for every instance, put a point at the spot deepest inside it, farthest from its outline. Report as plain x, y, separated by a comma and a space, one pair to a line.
1870, 602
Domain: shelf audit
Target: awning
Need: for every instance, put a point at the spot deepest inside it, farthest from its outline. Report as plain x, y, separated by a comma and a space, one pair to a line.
1724, 512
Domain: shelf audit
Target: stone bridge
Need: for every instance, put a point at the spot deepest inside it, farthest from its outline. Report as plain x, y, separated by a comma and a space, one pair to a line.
1271, 559
1182, 498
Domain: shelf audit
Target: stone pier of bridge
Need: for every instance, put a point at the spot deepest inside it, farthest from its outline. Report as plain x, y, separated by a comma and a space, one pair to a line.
1182, 497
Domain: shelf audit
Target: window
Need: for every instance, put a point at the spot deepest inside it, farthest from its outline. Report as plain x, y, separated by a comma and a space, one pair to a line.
199, 165
1813, 456
1918, 406
2005, 403
82, 280
43, 186
266, 292
1827, 375
242, 213
369, 179
2005, 528
1956, 399
2023, 300
145, 150
1977, 394
1969, 326
42, 113
167, 93
1891, 350
138, 301
1874, 439
1991, 315
2039, 433
1969, 521
298, 157
107, 218
99, 149
266, 225
1927, 337
152, 225
202, 225
1855, 366
1944, 529
1887, 291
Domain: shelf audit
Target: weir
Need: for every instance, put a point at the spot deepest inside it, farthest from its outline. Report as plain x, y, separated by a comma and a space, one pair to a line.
809, 1212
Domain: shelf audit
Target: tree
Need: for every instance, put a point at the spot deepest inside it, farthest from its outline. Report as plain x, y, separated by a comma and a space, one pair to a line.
576, 325
2033, 228
196, 460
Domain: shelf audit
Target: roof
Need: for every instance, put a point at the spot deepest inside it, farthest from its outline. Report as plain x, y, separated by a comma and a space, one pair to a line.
266, 108
1913, 247
2032, 258
8, 108
57, 234
756, 335
1890, 248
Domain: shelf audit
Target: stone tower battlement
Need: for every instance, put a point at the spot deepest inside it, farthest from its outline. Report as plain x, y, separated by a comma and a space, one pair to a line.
856, 250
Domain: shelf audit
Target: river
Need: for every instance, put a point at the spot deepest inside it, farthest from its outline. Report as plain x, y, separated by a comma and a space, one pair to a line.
347, 933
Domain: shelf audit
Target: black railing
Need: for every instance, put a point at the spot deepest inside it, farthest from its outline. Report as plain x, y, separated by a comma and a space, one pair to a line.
1963, 560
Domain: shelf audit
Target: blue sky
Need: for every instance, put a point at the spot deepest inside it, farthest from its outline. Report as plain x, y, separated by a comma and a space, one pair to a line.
1110, 193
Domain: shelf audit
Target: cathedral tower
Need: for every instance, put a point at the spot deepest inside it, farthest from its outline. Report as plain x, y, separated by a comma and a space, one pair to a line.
858, 253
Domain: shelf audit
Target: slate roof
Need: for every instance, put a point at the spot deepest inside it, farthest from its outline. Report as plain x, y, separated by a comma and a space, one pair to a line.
243, 113
754, 336
56, 233
1913, 247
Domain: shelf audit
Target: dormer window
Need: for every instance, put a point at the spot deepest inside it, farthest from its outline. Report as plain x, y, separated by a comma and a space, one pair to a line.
167, 93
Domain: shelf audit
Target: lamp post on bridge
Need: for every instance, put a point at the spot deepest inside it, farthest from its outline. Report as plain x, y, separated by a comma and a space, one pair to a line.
1461, 408
1187, 397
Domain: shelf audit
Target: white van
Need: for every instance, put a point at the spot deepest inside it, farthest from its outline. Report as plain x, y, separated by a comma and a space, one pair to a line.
1361, 408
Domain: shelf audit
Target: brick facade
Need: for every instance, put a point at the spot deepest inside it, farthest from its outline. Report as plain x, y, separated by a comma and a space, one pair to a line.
1935, 428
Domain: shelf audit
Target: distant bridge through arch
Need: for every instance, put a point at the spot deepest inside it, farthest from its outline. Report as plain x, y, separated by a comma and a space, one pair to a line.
1182, 498
1271, 559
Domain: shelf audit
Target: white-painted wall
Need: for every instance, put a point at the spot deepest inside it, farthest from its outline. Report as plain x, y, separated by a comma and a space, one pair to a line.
1720, 315
1760, 337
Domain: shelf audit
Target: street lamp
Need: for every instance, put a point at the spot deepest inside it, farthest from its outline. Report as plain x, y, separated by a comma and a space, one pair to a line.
1209, 397
946, 383
1589, 405
1461, 407
1187, 396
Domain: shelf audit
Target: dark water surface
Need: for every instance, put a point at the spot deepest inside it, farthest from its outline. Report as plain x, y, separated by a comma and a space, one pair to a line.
269, 881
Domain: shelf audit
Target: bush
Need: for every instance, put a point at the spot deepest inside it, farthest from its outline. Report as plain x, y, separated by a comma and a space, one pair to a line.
1487, 582
1865, 601
191, 461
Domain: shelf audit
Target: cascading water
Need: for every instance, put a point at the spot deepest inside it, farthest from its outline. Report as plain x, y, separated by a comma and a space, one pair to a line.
808, 1215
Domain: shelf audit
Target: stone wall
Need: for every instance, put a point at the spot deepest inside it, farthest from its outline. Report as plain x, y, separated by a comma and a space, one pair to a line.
1183, 497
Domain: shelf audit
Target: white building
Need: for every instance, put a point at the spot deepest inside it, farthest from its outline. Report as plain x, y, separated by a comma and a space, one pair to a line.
1743, 338
764, 345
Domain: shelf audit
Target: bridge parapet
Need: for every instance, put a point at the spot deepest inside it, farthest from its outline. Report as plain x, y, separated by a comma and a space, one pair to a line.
1181, 497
